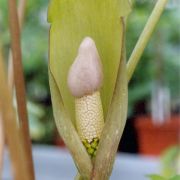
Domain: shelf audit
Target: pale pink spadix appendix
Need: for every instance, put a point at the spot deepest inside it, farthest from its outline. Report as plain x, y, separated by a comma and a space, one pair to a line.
85, 80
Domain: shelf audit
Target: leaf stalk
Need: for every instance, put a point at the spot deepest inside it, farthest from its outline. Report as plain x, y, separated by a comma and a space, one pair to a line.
145, 37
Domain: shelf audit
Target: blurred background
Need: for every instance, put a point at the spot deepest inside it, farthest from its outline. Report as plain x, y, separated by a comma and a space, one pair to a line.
153, 123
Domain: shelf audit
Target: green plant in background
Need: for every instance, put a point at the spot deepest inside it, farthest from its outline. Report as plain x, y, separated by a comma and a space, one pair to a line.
141, 83
35, 59
105, 22
158, 177
170, 161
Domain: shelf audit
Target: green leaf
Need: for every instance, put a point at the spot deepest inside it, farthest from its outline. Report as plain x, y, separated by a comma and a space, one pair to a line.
156, 177
71, 21
177, 177
68, 132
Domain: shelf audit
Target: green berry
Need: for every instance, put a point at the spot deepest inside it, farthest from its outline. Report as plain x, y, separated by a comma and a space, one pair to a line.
90, 151
94, 144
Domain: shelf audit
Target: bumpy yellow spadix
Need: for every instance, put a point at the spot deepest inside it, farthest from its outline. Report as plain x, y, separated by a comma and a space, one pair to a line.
84, 81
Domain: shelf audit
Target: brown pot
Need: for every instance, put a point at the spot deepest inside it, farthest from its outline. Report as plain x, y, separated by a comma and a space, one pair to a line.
154, 139
58, 140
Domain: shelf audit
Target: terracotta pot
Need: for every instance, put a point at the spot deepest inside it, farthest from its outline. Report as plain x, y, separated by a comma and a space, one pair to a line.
58, 140
154, 139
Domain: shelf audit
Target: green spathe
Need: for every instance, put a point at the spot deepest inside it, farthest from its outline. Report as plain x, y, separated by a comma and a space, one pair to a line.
73, 20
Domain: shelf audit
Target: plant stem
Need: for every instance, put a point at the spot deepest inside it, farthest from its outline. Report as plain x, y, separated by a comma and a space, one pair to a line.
11, 129
21, 12
115, 122
20, 86
145, 36
1, 144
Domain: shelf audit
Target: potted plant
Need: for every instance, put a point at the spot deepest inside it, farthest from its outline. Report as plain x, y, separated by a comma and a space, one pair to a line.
170, 160
154, 139
159, 129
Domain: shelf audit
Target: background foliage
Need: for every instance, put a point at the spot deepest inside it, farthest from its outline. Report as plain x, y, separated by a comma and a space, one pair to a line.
167, 38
